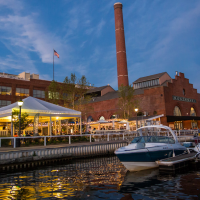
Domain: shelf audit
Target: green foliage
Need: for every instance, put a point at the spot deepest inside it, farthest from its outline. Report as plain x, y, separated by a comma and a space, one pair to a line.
53, 92
5, 142
79, 139
74, 90
24, 120
70, 90
126, 101
154, 112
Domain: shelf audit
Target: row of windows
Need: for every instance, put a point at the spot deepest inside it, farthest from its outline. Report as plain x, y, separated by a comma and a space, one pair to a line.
177, 111
39, 93
22, 92
146, 84
5, 90
53, 95
25, 92
4, 103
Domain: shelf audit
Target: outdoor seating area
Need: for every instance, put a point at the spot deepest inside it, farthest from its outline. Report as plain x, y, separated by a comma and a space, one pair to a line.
44, 118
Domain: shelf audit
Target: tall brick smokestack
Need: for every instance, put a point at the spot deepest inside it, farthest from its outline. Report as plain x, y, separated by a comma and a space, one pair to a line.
122, 72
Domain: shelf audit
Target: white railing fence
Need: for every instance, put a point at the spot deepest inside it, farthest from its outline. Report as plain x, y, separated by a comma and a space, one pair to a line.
104, 136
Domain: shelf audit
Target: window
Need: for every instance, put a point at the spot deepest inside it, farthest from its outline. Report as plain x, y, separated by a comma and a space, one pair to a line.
114, 117
5, 90
157, 81
184, 92
22, 92
177, 111
53, 95
192, 112
90, 119
178, 125
194, 124
4, 103
39, 94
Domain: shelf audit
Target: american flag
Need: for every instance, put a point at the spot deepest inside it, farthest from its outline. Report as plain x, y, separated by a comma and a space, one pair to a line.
56, 54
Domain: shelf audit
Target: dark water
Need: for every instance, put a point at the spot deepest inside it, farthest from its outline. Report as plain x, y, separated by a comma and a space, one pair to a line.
100, 178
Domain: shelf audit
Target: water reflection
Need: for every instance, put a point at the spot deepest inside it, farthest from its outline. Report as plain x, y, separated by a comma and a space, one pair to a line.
100, 178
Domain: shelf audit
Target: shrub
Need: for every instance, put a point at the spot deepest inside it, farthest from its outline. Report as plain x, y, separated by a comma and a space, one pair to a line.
5, 142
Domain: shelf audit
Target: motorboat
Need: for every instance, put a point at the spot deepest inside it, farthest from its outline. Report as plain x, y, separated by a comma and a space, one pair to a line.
149, 146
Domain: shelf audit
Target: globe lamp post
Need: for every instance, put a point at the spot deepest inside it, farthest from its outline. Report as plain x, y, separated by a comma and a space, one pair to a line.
20, 103
136, 110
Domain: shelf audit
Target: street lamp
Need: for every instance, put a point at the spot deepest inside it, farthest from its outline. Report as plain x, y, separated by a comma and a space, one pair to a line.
136, 110
20, 103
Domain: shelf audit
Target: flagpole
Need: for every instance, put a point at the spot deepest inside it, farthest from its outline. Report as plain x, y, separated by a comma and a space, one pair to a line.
53, 64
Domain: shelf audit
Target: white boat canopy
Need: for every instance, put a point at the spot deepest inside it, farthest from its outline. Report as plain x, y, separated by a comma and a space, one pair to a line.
159, 127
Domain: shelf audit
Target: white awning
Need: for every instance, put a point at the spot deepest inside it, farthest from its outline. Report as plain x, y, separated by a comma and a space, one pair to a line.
155, 117
32, 105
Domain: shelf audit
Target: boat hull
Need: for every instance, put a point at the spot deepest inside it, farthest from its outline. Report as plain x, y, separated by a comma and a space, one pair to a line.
139, 166
138, 161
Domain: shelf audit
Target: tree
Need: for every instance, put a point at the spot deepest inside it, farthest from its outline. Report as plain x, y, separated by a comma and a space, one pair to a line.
74, 90
69, 90
24, 120
82, 105
53, 92
126, 102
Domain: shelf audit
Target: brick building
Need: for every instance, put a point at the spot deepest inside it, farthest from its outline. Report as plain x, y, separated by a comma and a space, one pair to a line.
157, 94
16, 87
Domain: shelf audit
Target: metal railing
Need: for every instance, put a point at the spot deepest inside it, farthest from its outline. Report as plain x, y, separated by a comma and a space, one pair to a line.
104, 136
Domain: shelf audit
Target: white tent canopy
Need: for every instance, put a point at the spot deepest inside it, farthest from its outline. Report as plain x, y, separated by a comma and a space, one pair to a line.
45, 111
32, 106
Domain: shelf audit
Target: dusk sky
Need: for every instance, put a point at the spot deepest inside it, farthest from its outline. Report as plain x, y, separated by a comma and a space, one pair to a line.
160, 35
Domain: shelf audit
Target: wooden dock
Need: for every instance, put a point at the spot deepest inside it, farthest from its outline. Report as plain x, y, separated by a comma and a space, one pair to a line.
180, 162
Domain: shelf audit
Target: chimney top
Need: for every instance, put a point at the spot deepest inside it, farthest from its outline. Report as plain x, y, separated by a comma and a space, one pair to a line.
118, 5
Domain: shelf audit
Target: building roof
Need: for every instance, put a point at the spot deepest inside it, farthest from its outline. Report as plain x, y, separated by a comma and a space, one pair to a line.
105, 97
97, 89
147, 78
145, 117
165, 83
113, 95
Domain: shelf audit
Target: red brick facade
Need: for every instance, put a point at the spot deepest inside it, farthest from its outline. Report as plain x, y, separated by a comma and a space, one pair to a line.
157, 100
32, 84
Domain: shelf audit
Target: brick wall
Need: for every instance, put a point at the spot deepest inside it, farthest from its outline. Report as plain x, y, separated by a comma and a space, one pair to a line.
176, 89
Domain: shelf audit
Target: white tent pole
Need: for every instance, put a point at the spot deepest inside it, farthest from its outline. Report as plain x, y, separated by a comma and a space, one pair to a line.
41, 128
50, 127
55, 127
59, 126
11, 128
80, 126
67, 126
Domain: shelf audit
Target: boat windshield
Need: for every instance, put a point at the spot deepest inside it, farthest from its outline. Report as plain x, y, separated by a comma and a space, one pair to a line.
153, 139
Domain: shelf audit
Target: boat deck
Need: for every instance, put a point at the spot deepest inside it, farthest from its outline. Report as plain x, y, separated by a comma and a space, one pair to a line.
177, 159
178, 162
